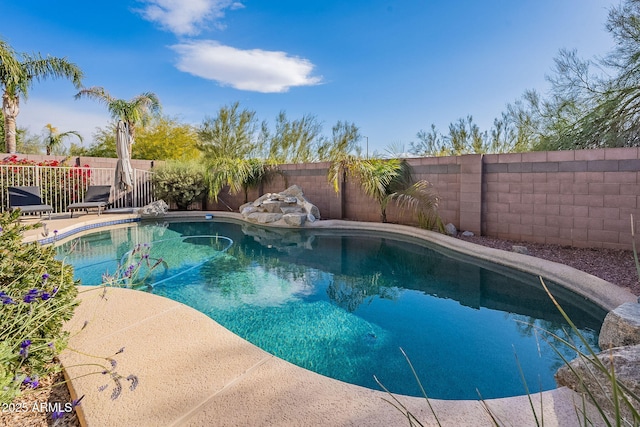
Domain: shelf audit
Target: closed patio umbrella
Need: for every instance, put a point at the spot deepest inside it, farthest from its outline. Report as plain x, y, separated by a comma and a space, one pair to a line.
124, 171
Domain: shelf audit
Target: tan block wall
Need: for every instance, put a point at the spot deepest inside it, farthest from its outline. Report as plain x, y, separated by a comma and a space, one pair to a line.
576, 198
444, 174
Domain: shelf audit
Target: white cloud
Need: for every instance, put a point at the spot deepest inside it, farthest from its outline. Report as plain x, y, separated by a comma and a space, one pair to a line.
77, 116
186, 17
253, 70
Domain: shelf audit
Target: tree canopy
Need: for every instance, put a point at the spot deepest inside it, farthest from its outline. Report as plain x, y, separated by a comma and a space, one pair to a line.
164, 138
592, 103
17, 73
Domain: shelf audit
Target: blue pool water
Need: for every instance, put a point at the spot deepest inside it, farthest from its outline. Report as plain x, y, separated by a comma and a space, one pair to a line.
343, 305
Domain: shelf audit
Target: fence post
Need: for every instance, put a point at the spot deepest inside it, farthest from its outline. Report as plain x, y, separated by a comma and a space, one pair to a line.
134, 192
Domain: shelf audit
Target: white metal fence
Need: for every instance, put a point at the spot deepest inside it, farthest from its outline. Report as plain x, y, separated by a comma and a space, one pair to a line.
61, 186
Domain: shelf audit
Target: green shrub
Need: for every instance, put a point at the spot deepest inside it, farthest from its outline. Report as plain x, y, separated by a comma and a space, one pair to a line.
37, 295
180, 182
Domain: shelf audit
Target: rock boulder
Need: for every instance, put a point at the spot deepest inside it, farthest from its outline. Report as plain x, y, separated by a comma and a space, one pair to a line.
626, 363
451, 229
288, 207
157, 208
520, 249
621, 327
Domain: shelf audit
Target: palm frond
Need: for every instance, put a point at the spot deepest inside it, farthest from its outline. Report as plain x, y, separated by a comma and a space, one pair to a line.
419, 197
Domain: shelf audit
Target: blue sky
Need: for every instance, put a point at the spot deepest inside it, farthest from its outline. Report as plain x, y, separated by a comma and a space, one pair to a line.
391, 67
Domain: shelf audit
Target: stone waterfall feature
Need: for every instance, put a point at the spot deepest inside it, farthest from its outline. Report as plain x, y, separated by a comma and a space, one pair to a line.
288, 207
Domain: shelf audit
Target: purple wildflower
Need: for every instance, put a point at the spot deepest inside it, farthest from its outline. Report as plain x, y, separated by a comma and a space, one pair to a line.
45, 276
6, 299
129, 271
76, 402
45, 296
24, 349
134, 382
31, 382
56, 415
117, 390
29, 298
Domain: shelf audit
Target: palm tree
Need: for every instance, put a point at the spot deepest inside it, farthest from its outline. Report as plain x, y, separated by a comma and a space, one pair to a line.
17, 73
134, 112
54, 139
387, 180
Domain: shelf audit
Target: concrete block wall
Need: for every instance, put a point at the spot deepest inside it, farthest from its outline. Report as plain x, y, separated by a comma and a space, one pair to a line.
444, 174
312, 178
580, 198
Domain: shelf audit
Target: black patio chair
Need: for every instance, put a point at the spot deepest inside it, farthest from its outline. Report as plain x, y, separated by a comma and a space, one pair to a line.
28, 200
96, 197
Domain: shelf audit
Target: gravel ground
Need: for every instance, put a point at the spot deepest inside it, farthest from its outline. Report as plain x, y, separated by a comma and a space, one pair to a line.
30, 410
615, 266
612, 265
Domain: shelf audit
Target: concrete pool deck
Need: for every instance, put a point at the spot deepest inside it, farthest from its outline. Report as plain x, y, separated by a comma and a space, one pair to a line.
194, 372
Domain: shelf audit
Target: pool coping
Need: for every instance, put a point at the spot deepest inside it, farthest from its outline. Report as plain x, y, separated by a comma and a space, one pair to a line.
229, 381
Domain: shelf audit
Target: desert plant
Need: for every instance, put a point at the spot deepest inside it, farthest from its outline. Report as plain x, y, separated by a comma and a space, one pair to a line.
238, 174
386, 181
37, 295
180, 182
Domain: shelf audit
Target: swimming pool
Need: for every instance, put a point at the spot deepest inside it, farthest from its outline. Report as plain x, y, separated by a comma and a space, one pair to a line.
342, 305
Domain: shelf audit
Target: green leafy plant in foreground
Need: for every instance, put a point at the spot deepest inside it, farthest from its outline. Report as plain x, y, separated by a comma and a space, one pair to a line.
37, 295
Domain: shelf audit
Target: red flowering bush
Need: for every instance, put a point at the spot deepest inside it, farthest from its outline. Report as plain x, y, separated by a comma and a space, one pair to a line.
59, 185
